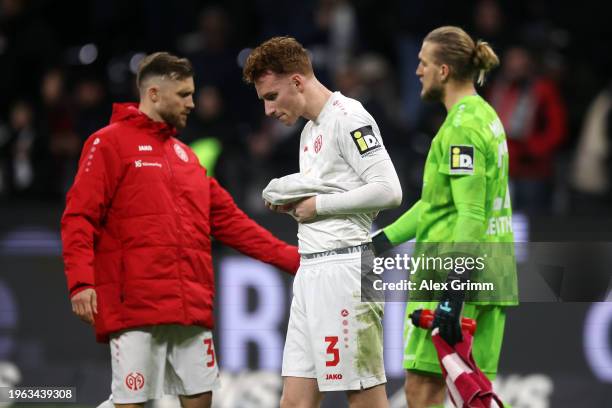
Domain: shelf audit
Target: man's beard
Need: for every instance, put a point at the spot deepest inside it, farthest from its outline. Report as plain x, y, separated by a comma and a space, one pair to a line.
173, 120
434, 94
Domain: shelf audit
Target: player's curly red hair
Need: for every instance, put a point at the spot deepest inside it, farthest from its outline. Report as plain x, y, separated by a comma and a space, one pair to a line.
280, 55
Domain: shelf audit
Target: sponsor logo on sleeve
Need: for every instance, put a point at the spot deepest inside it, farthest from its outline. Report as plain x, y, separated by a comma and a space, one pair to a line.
365, 140
461, 159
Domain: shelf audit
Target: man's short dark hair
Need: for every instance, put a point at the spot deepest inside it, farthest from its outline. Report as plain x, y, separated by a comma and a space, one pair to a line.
163, 64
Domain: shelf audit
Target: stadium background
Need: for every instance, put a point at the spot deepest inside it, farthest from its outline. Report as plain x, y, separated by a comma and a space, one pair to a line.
62, 64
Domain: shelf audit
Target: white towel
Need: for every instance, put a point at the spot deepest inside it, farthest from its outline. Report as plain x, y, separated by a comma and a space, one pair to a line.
296, 186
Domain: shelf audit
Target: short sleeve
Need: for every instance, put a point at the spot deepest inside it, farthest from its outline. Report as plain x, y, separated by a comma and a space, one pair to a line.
360, 143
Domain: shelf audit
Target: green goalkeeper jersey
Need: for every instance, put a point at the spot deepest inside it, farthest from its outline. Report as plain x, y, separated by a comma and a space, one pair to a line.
465, 196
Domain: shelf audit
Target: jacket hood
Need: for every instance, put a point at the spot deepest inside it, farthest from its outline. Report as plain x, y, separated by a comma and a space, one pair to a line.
129, 112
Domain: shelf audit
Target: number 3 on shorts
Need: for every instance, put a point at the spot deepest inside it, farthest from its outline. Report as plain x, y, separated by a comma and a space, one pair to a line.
211, 352
333, 350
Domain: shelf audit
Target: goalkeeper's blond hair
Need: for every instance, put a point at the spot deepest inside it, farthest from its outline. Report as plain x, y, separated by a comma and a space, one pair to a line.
467, 59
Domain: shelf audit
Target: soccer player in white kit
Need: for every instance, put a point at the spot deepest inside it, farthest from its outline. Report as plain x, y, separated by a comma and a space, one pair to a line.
334, 341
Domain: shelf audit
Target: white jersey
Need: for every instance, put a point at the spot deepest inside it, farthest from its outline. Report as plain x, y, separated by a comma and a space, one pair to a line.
338, 147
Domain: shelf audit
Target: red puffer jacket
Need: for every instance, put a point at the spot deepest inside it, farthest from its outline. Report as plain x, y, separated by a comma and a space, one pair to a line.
137, 227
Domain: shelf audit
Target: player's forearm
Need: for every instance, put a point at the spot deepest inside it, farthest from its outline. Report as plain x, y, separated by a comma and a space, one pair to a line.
382, 191
470, 226
232, 227
77, 242
246, 236
469, 195
368, 198
405, 227
243, 234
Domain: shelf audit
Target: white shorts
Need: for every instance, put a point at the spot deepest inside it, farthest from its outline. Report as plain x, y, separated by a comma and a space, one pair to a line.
167, 359
332, 335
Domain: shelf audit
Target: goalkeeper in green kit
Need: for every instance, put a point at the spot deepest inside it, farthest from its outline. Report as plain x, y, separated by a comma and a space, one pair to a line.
464, 199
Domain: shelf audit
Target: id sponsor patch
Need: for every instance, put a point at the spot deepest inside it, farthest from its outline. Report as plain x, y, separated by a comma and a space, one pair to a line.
365, 140
461, 159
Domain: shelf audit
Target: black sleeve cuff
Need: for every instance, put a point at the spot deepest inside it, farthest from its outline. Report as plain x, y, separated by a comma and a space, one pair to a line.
381, 243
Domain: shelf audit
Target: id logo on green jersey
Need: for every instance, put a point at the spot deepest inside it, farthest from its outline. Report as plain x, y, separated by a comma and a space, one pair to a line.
461, 159
365, 140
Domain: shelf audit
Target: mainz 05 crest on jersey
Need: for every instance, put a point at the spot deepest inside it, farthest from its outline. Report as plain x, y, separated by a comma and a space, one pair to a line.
180, 152
365, 140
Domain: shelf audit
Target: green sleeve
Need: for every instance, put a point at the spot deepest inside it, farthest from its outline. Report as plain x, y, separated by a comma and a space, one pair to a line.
405, 227
469, 195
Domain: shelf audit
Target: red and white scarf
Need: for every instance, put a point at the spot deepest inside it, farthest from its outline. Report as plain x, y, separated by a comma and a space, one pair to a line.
468, 387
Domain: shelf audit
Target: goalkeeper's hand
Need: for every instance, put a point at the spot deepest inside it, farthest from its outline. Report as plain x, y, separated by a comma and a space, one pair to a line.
381, 243
447, 318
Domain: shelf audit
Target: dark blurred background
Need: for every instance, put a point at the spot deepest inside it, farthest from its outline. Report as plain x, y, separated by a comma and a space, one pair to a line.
63, 64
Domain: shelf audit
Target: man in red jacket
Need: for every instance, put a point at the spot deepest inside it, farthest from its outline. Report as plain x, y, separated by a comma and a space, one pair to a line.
137, 243
534, 116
